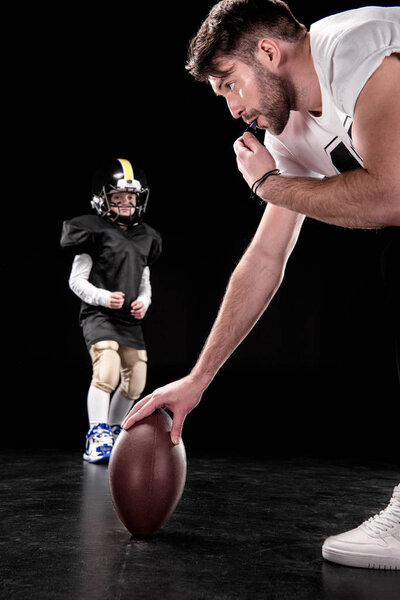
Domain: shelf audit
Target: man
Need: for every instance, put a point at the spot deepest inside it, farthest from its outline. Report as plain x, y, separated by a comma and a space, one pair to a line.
328, 100
110, 273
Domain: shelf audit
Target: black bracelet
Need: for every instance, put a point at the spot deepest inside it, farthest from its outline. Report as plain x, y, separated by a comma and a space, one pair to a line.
258, 182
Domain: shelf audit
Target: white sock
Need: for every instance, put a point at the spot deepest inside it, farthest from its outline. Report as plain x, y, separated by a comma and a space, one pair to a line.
119, 408
98, 403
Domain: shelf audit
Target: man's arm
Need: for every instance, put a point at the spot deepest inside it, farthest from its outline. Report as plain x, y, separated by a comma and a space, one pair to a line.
250, 290
364, 198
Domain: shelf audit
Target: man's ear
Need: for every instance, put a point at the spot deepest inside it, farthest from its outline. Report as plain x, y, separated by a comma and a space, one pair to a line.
269, 53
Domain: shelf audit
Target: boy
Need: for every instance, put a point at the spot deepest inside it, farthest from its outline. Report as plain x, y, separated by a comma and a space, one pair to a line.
110, 274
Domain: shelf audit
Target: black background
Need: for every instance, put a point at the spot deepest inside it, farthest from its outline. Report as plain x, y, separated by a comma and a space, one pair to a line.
317, 375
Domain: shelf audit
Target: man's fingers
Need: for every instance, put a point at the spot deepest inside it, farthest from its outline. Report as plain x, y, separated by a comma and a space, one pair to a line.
180, 397
239, 145
250, 140
177, 426
247, 142
144, 408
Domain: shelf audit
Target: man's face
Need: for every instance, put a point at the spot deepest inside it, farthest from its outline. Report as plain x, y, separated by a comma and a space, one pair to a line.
254, 93
123, 203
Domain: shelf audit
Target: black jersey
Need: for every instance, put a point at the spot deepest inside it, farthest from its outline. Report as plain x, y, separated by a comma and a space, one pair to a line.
119, 257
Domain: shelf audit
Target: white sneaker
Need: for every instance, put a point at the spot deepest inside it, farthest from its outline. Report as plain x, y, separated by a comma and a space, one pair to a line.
373, 545
99, 443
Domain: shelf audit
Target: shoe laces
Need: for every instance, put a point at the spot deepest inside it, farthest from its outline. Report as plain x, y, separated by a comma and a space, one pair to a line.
387, 518
103, 438
101, 434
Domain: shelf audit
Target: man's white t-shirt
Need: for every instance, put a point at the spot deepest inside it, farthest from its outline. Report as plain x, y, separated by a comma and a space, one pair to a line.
346, 49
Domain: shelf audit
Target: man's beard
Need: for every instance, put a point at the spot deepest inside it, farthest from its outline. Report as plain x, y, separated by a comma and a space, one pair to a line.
275, 104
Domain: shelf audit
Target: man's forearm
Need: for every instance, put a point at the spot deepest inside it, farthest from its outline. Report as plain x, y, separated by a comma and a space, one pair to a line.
355, 199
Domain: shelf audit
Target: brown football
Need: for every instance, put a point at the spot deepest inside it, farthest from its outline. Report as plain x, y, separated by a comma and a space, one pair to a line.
147, 474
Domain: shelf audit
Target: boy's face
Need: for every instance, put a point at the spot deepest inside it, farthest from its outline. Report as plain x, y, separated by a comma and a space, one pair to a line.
123, 203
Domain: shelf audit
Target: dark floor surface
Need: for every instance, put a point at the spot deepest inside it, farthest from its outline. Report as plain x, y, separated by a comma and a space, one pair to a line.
245, 529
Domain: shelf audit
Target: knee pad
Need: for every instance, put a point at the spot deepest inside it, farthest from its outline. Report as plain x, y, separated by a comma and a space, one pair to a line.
106, 365
133, 372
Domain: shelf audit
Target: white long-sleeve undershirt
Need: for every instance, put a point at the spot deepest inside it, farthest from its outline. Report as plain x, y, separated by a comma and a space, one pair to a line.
86, 291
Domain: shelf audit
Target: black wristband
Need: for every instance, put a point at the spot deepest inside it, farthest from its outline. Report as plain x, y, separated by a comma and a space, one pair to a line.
258, 182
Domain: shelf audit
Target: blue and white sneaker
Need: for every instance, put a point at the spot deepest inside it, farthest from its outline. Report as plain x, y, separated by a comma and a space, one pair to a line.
99, 443
116, 430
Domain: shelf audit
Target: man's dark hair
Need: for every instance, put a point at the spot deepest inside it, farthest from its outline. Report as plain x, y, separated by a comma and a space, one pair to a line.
233, 27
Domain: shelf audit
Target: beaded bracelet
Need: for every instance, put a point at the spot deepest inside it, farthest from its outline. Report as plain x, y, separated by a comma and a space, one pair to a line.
258, 182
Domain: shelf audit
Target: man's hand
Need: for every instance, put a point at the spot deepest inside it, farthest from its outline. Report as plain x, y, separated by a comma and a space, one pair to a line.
180, 397
138, 309
253, 159
116, 300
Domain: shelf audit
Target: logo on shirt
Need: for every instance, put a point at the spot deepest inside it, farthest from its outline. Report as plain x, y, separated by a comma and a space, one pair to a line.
343, 158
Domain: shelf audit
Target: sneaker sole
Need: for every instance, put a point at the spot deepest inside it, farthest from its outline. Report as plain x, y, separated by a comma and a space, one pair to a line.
363, 562
96, 460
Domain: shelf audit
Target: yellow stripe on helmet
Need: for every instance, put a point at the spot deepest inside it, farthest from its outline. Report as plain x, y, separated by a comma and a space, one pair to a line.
128, 170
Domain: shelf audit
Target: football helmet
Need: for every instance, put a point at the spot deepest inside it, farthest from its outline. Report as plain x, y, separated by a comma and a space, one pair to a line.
118, 176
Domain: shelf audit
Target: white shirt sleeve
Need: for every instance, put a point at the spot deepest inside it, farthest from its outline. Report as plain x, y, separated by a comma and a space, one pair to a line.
349, 46
145, 288
80, 284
